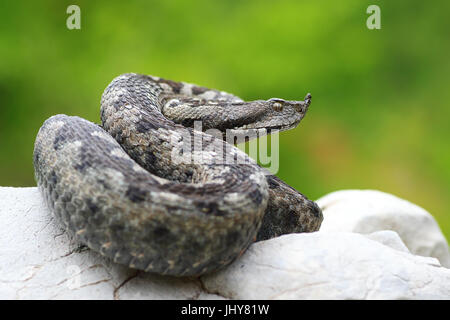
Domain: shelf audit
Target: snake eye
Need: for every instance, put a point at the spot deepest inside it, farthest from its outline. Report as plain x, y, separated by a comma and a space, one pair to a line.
277, 106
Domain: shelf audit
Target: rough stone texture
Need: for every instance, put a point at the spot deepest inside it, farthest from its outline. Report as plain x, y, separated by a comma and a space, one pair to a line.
366, 211
40, 261
389, 238
330, 266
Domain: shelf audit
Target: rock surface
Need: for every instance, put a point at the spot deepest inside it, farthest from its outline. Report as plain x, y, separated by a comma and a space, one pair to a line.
40, 261
337, 265
367, 211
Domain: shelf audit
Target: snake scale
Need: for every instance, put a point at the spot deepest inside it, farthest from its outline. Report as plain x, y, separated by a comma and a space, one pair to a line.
119, 188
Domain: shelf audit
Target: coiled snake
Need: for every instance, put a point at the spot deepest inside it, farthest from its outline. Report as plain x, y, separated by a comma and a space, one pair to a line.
123, 190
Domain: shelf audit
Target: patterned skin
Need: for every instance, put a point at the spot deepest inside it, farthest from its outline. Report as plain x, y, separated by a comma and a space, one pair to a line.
150, 192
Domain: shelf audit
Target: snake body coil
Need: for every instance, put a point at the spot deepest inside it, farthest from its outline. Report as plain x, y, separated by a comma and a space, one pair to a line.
122, 190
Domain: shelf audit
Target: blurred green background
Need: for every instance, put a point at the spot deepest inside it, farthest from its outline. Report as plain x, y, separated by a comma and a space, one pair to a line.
380, 112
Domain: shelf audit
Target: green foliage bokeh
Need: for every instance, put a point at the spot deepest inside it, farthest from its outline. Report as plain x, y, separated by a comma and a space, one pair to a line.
380, 112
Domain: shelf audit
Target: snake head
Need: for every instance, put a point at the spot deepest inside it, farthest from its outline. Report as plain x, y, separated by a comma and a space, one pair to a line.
281, 114
271, 116
301, 107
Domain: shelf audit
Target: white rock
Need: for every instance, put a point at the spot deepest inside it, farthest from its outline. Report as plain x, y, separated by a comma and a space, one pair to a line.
40, 261
366, 211
388, 238
330, 266
148, 286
